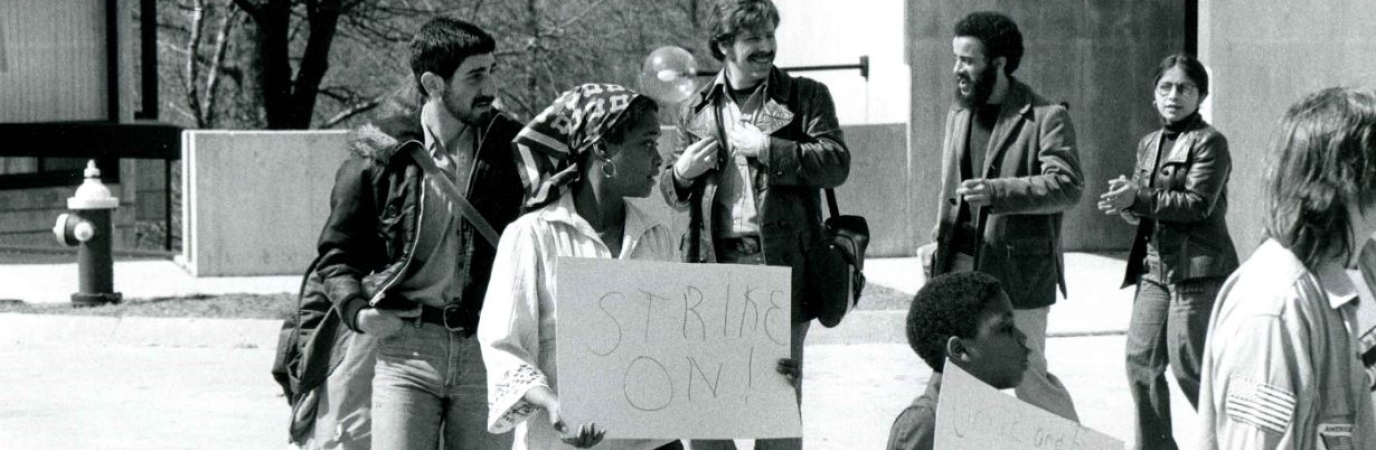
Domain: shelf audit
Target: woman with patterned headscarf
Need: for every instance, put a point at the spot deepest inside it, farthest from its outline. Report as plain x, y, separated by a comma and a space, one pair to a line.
579, 160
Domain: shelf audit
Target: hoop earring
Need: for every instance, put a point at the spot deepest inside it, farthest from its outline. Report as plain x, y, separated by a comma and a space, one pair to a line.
608, 163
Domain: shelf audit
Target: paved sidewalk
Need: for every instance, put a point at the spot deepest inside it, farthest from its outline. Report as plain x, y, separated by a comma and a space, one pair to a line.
139, 397
104, 382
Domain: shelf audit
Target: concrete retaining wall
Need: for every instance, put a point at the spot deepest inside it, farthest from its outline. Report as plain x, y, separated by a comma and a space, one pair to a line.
254, 201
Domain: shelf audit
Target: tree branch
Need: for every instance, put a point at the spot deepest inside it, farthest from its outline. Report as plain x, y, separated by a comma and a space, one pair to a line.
193, 46
352, 111
217, 59
579, 16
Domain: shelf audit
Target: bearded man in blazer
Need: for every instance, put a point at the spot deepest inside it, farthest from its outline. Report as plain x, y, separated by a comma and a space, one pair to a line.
1009, 170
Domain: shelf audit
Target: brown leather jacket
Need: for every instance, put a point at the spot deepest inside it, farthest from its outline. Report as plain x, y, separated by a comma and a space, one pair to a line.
806, 153
1034, 176
1188, 204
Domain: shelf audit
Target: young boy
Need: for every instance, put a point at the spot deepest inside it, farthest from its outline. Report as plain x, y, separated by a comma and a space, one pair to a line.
967, 318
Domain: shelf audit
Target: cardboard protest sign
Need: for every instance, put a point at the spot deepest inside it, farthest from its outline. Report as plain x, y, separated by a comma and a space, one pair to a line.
975, 416
670, 350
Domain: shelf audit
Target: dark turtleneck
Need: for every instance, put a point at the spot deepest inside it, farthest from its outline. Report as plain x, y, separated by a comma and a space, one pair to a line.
1170, 131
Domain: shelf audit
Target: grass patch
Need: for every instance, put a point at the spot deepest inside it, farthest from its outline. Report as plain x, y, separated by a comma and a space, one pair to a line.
229, 306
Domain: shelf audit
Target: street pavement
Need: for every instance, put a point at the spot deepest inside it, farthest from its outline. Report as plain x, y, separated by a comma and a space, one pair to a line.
145, 383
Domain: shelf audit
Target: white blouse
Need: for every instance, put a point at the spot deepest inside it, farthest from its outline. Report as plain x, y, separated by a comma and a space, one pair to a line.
517, 329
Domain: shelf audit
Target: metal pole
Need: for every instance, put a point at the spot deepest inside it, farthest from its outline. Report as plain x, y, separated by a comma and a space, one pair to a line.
863, 66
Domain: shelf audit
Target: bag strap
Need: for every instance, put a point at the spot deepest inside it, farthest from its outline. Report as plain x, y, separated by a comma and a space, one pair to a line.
461, 203
695, 219
831, 203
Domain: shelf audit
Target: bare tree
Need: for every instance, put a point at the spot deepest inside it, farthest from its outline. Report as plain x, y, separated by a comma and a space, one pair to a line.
291, 64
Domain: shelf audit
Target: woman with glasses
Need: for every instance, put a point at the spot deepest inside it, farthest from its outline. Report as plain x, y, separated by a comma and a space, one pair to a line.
1181, 253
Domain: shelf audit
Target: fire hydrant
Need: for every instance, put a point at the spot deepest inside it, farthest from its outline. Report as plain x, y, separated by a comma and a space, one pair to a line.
87, 226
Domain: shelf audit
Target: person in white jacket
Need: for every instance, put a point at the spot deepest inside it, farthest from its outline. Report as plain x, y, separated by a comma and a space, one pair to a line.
1282, 365
579, 160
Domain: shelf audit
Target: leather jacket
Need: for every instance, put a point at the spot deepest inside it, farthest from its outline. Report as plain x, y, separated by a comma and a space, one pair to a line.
1188, 204
368, 241
806, 153
1032, 169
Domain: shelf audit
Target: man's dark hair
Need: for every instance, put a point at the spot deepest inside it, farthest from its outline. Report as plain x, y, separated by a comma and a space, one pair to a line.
731, 16
998, 34
442, 44
948, 305
1193, 69
1323, 159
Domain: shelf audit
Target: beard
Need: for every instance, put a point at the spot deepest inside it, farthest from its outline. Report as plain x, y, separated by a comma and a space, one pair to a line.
981, 88
472, 115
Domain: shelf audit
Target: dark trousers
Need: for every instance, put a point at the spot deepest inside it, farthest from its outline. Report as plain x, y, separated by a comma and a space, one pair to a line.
1169, 323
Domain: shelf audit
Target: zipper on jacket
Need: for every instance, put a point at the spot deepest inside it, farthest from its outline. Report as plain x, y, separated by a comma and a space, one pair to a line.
415, 241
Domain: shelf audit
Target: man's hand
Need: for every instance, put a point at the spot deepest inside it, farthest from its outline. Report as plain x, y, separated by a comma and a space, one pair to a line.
383, 323
975, 192
927, 253
748, 140
1122, 193
791, 370
696, 159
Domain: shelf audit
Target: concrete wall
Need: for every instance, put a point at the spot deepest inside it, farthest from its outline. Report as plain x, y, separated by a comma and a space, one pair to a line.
254, 202
1264, 56
878, 186
1098, 56
830, 32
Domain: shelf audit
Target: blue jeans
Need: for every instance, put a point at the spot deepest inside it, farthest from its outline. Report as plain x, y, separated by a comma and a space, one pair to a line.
431, 382
1169, 324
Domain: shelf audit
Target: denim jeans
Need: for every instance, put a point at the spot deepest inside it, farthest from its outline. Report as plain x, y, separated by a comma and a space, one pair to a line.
429, 383
799, 334
1169, 324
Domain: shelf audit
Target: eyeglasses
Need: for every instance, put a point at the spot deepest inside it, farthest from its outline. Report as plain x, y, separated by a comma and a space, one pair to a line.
1168, 87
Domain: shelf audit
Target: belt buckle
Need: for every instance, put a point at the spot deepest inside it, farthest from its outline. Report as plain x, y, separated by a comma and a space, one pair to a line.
451, 315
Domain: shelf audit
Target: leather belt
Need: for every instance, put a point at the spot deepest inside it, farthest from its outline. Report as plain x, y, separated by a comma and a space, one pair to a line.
742, 245
451, 317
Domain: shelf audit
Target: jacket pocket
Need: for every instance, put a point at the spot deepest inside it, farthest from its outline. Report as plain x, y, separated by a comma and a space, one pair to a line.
1172, 175
1030, 276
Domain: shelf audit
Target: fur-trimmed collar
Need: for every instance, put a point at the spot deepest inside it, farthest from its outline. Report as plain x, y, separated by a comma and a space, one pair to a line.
378, 140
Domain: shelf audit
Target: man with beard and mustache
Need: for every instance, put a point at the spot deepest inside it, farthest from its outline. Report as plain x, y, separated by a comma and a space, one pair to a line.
1009, 170
406, 271
755, 148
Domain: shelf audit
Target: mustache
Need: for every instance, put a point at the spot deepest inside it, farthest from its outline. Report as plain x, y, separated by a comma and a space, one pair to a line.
484, 99
769, 55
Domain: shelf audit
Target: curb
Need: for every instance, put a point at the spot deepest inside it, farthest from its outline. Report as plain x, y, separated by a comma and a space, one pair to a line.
859, 328
178, 332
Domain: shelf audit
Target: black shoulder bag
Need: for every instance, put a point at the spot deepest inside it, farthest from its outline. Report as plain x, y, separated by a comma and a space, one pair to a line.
835, 267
